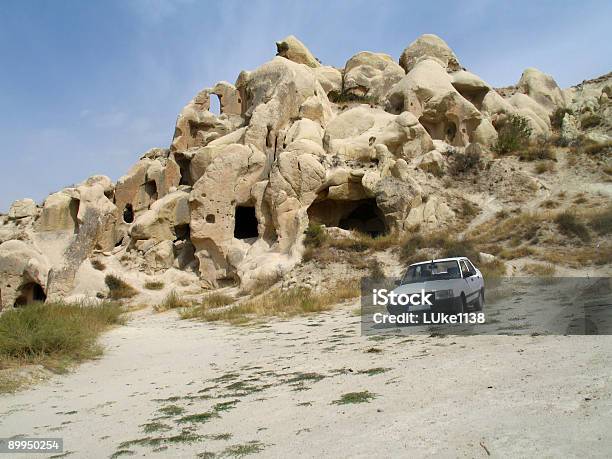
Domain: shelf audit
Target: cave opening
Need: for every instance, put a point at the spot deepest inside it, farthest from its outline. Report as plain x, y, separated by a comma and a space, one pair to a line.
245, 223
361, 215
74, 212
185, 170
30, 293
182, 232
150, 188
128, 213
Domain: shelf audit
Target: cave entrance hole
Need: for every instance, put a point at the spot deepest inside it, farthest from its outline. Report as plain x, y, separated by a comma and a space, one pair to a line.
245, 223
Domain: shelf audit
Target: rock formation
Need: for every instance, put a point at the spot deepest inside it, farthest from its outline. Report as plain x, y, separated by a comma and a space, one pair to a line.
230, 198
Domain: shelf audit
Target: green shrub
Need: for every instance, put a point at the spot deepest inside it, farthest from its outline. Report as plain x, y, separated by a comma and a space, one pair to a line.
460, 248
492, 269
513, 135
339, 97
590, 120
569, 225
98, 265
465, 162
556, 119
601, 222
119, 289
314, 235
58, 330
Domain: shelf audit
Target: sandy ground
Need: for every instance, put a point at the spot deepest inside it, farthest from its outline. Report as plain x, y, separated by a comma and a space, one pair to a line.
503, 396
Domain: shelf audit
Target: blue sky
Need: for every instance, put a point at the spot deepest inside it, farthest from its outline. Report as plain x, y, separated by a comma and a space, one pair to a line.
87, 86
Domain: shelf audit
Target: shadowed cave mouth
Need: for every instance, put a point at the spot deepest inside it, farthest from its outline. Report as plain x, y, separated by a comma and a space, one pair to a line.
29, 293
245, 223
361, 215
128, 213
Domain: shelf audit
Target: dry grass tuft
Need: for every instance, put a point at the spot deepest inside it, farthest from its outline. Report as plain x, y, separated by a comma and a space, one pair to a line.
172, 301
119, 289
98, 265
277, 303
569, 224
539, 270
154, 285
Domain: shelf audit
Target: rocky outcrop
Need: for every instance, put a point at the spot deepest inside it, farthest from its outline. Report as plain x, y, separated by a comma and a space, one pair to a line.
429, 46
231, 196
371, 74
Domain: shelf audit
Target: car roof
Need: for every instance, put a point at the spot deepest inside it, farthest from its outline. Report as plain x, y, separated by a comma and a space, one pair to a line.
439, 259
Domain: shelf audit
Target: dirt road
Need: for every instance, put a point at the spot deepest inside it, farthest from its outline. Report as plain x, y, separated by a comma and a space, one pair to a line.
313, 387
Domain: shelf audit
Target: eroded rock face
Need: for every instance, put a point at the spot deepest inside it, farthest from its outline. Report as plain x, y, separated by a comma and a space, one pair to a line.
294, 50
232, 195
429, 46
427, 91
371, 74
24, 272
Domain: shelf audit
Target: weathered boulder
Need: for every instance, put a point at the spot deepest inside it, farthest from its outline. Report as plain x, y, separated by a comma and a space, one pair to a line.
293, 49
59, 212
23, 274
428, 93
542, 88
22, 208
330, 78
429, 46
167, 219
371, 74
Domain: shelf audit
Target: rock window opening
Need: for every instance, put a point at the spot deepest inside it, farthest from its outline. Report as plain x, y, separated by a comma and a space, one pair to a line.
245, 223
215, 104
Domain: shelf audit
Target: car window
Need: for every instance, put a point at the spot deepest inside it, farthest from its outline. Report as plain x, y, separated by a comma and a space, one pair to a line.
438, 270
470, 266
464, 268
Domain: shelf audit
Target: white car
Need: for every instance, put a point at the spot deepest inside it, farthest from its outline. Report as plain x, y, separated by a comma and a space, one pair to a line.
455, 284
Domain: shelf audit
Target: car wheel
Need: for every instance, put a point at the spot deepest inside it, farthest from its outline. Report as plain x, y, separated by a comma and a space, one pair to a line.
480, 302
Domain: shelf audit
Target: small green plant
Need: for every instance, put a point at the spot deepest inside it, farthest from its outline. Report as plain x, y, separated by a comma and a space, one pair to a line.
154, 285
98, 265
468, 209
601, 222
556, 119
119, 289
465, 162
590, 120
338, 97
376, 271
355, 397
569, 225
314, 235
544, 166
513, 135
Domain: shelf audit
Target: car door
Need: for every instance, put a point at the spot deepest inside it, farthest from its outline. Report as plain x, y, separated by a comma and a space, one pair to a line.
471, 284
478, 277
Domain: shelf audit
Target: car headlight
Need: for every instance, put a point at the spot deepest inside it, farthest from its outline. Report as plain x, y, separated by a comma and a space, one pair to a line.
443, 294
